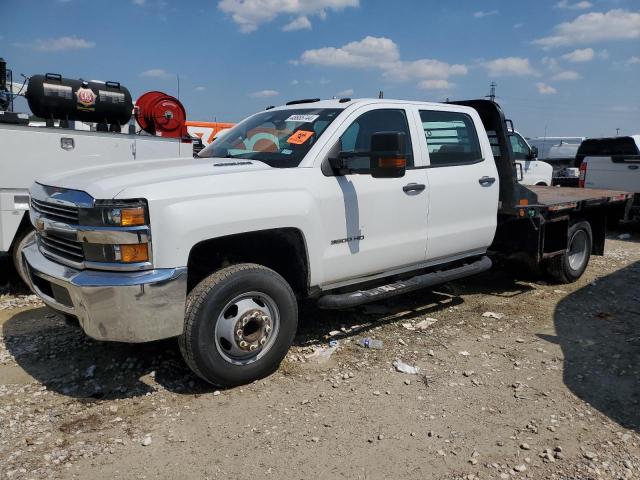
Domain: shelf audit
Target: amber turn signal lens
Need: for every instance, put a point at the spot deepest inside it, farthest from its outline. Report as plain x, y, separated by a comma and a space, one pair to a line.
134, 253
131, 217
392, 162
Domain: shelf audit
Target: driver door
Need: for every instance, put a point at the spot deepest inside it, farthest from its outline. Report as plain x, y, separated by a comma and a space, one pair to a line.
372, 226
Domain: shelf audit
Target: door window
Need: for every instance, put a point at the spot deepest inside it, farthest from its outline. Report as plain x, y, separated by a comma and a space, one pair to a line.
357, 137
451, 138
519, 147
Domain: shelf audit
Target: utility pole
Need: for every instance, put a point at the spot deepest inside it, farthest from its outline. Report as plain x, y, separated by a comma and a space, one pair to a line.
617, 132
492, 92
380, 94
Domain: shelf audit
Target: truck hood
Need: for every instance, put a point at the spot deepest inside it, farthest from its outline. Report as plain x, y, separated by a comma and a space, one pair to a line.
106, 181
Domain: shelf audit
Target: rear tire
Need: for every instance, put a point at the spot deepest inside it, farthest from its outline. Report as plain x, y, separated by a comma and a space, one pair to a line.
22, 239
569, 267
239, 324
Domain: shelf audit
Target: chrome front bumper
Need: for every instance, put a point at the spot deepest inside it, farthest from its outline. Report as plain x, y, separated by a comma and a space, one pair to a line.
116, 306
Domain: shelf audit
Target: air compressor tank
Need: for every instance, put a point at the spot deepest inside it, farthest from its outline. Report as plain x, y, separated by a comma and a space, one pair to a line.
52, 97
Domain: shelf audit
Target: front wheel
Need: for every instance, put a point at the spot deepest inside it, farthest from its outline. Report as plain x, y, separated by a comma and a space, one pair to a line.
22, 240
239, 324
569, 267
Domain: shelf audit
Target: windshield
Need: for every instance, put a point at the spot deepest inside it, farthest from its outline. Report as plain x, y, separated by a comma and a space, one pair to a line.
279, 138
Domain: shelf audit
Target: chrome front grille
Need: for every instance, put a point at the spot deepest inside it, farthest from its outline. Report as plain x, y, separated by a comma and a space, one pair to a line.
55, 211
61, 247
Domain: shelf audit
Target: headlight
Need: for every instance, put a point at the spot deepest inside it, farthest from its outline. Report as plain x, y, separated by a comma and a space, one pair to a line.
130, 214
121, 235
114, 253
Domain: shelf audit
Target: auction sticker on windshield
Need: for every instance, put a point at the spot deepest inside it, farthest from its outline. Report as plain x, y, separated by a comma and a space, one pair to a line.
299, 137
300, 118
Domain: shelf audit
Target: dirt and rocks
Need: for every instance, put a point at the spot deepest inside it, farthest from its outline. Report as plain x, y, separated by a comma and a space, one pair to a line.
516, 379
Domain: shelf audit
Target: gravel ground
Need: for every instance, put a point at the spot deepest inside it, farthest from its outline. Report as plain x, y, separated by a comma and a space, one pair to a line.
516, 379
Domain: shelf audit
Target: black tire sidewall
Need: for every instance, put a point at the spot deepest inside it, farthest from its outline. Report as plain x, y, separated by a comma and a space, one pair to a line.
18, 261
574, 274
211, 365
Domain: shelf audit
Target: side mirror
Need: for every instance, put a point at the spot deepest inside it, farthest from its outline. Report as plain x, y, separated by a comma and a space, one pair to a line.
533, 153
519, 172
387, 157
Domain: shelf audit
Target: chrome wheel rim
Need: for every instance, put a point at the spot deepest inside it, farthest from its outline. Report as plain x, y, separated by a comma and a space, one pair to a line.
578, 249
247, 328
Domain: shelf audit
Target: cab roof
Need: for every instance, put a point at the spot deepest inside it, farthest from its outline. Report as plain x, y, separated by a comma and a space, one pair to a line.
343, 103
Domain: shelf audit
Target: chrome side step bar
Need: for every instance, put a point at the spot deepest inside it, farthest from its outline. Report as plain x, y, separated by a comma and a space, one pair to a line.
359, 297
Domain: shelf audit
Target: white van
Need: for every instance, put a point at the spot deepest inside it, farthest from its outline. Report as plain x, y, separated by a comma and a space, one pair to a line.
531, 171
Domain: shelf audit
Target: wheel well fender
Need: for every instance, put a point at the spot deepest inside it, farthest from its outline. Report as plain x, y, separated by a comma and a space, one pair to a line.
284, 250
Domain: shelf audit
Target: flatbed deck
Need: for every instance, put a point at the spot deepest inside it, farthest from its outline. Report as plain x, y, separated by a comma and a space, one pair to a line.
554, 196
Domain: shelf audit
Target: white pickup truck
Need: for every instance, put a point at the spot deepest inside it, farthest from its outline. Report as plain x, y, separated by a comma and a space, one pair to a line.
342, 201
612, 162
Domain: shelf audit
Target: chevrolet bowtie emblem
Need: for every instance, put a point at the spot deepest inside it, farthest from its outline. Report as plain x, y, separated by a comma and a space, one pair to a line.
39, 224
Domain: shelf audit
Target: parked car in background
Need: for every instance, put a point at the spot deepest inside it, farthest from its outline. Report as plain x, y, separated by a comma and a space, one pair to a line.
560, 153
612, 162
531, 170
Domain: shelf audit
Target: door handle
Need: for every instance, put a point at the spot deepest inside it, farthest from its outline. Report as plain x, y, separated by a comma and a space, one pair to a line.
633, 167
486, 181
413, 187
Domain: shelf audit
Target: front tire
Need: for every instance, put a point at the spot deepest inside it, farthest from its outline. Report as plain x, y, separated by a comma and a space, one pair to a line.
569, 267
23, 239
239, 324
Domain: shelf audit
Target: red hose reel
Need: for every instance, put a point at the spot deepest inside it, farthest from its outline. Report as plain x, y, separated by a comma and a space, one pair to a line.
160, 114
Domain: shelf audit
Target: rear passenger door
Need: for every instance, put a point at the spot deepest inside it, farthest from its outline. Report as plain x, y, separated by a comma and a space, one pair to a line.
463, 184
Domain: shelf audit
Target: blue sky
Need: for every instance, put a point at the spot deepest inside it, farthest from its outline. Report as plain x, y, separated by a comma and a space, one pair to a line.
567, 67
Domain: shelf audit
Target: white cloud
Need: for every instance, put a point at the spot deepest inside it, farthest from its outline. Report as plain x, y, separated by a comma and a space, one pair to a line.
603, 54
264, 94
58, 44
346, 93
518, 25
250, 14
156, 73
295, 82
138, 2
300, 23
634, 60
544, 89
594, 27
566, 75
382, 54
366, 53
200, 88
567, 5
580, 55
516, 66
424, 69
436, 84
482, 14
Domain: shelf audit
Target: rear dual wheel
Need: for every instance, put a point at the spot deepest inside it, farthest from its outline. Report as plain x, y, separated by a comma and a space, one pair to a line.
569, 267
239, 324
